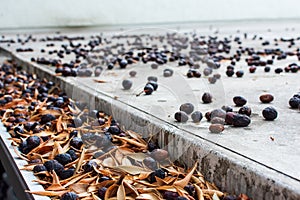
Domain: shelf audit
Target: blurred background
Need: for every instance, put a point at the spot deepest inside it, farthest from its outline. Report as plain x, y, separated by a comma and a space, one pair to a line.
68, 13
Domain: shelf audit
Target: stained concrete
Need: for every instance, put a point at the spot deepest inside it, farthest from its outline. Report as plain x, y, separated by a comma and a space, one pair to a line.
238, 160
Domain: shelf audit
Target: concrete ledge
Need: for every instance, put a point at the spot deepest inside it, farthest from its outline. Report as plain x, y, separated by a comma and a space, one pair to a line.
229, 170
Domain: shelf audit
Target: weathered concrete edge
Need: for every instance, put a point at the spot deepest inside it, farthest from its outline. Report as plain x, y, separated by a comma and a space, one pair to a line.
21, 180
231, 172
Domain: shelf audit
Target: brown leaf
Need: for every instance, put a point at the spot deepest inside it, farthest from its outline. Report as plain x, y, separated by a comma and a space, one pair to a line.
211, 192
119, 156
59, 127
48, 193
80, 161
109, 162
95, 197
41, 182
131, 141
148, 196
88, 180
74, 179
183, 182
79, 187
121, 194
199, 192
55, 186
58, 148
20, 154
145, 183
27, 168
99, 81
111, 191
144, 175
126, 162
133, 170
130, 187
137, 156
136, 136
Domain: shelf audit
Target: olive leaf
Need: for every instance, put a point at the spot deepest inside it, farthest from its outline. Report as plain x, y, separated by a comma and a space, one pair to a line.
183, 182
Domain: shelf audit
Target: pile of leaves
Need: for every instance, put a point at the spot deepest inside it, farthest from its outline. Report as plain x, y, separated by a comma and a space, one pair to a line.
80, 154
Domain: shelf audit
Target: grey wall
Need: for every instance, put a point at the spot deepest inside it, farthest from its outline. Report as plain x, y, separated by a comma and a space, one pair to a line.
45, 13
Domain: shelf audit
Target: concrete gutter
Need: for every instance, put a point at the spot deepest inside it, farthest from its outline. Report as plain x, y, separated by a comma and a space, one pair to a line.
230, 170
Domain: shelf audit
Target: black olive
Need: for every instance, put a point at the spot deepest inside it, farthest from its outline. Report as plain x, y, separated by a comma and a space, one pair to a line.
69, 196
63, 158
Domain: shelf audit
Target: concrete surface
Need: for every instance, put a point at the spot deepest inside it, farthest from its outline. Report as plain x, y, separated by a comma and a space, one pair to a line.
238, 160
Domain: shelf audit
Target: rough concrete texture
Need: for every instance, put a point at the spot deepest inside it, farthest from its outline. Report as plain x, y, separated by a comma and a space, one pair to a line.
239, 160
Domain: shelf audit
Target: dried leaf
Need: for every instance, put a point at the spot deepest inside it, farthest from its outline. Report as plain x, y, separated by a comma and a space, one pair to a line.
211, 192
95, 197
99, 81
41, 182
19, 154
121, 194
80, 161
88, 180
48, 193
137, 156
136, 136
133, 170
59, 127
28, 168
126, 162
109, 162
58, 148
131, 141
119, 156
148, 196
55, 186
111, 191
79, 187
183, 182
144, 175
75, 178
199, 192
130, 187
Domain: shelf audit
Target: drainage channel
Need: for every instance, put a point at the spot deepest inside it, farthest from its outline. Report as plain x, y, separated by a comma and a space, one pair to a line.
231, 171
